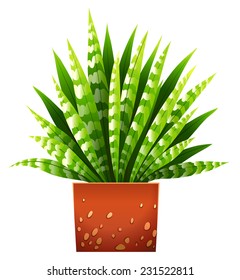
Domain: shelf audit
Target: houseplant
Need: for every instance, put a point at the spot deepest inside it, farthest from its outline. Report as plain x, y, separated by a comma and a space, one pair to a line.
122, 124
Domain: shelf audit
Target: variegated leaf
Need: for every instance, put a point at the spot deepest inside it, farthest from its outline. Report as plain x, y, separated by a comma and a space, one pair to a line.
66, 157
163, 144
144, 111
129, 92
184, 169
114, 117
183, 104
159, 123
52, 167
80, 132
166, 157
56, 133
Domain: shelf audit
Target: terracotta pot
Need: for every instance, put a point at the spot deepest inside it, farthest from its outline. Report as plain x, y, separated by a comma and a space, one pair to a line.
113, 217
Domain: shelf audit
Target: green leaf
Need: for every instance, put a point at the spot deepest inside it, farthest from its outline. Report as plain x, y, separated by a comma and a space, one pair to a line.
163, 144
156, 128
144, 77
108, 58
129, 92
114, 117
170, 83
187, 153
99, 87
143, 113
126, 58
65, 81
55, 113
80, 133
56, 133
191, 127
66, 157
184, 169
169, 155
52, 167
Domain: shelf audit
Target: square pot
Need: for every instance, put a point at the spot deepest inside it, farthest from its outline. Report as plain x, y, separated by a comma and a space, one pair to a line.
115, 217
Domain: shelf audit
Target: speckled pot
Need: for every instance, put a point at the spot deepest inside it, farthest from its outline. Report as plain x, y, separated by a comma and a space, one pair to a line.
115, 217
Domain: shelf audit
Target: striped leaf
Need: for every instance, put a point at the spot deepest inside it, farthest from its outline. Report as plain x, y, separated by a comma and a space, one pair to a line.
144, 78
129, 91
80, 132
65, 81
166, 157
55, 113
99, 87
108, 58
57, 134
52, 167
114, 117
170, 83
163, 144
126, 58
187, 153
191, 127
65, 156
144, 111
157, 126
184, 103
184, 169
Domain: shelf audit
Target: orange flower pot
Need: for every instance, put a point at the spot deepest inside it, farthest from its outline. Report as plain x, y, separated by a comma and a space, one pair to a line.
115, 217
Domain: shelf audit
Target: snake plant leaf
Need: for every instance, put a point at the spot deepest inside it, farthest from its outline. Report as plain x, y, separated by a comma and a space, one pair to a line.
52, 167
56, 133
156, 128
65, 81
126, 58
129, 91
144, 78
114, 117
99, 86
192, 126
168, 156
65, 156
80, 132
184, 103
184, 169
55, 113
144, 110
108, 57
164, 143
187, 153
170, 83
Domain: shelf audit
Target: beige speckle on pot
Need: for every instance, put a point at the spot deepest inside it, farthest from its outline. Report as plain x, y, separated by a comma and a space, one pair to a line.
113, 235
99, 241
83, 200
79, 229
86, 236
120, 247
90, 242
96, 247
149, 243
142, 237
147, 226
155, 206
80, 219
82, 244
136, 244
95, 232
141, 205
154, 233
131, 221
90, 213
109, 215
120, 229
127, 240
101, 226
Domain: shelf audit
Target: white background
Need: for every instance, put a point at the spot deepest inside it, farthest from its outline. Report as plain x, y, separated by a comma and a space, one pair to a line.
198, 216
